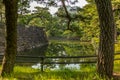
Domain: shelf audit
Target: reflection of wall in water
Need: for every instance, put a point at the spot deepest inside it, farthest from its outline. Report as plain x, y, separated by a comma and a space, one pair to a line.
37, 51
34, 52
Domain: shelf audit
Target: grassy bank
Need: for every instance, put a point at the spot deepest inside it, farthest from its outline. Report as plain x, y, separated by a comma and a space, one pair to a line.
28, 73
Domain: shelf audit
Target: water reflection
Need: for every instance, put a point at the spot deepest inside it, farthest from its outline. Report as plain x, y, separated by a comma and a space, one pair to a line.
66, 49
57, 66
33, 52
69, 49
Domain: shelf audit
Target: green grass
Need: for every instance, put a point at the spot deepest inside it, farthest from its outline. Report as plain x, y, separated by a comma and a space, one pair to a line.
27, 73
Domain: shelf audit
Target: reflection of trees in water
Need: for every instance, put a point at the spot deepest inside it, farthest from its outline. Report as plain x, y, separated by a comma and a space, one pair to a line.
60, 49
68, 49
55, 49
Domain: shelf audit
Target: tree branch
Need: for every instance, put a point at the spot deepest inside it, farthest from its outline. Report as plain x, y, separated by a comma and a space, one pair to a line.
67, 14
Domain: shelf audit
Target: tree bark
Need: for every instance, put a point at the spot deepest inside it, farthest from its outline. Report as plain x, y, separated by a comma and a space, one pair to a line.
11, 37
106, 44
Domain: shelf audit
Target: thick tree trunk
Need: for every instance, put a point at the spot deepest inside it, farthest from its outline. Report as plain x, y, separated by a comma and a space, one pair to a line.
11, 37
106, 45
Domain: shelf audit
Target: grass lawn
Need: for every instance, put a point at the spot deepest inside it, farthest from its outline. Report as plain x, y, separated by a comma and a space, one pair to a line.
28, 73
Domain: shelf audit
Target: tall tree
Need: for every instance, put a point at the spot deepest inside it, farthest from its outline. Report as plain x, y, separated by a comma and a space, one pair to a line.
106, 45
11, 36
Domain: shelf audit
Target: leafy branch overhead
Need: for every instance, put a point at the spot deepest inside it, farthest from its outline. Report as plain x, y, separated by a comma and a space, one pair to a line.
65, 9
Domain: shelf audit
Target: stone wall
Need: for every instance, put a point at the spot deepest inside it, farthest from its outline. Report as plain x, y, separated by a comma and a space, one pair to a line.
28, 37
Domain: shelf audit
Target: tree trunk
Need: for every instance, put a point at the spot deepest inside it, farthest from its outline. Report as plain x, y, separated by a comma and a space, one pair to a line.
11, 37
106, 45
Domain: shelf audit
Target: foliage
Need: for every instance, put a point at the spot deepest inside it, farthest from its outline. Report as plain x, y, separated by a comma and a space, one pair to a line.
90, 24
22, 7
54, 24
84, 23
67, 33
